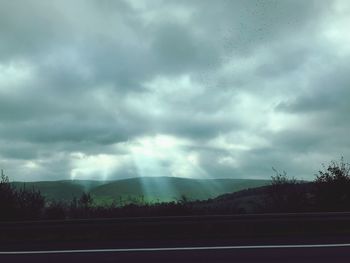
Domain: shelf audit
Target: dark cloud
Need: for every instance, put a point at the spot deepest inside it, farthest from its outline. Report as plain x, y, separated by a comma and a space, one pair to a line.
185, 88
329, 91
178, 49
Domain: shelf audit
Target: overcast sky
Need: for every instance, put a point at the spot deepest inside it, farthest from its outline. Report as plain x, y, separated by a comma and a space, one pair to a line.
108, 89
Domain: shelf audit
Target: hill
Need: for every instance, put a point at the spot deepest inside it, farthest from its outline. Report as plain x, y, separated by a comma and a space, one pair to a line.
292, 197
64, 190
141, 189
155, 189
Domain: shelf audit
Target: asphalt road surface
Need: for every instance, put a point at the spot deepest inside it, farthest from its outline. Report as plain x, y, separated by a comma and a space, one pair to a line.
294, 238
286, 253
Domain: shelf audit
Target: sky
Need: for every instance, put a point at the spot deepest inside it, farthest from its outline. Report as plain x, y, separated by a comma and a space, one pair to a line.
102, 89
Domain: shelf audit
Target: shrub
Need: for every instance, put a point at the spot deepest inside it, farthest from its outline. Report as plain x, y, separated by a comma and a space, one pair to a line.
286, 194
19, 204
333, 187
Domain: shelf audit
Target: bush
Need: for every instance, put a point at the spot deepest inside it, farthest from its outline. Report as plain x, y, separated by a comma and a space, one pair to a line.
333, 187
7, 199
19, 204
286, 194
30, 203
55, 210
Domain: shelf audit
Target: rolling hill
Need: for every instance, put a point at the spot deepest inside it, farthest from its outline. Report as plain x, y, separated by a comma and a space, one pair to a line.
141, 189
153, 189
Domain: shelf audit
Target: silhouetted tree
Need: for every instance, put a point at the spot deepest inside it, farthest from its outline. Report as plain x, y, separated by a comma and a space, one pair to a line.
30, 203
19, 204
286, 194
86, 201
7, 198
333, 187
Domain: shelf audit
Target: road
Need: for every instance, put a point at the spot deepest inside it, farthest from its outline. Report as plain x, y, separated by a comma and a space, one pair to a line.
290, 253
252, 238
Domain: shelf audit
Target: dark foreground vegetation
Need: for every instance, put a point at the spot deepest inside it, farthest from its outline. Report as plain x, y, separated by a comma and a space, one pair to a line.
329, 192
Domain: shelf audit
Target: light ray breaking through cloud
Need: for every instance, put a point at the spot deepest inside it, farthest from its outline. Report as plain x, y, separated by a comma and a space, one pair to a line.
205, 89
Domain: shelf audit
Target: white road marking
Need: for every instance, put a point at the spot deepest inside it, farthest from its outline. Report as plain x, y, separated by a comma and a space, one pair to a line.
171, 249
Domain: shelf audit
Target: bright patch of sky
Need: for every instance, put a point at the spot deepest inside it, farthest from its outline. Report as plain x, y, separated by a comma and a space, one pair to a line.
205, 89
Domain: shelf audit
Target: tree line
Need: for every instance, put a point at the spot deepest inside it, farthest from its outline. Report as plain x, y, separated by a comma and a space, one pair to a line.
330, 191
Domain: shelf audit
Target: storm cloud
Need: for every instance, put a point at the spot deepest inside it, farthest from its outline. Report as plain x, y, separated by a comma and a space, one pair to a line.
216, 89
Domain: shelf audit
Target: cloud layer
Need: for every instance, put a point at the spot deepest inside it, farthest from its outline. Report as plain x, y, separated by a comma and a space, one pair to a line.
114, 89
